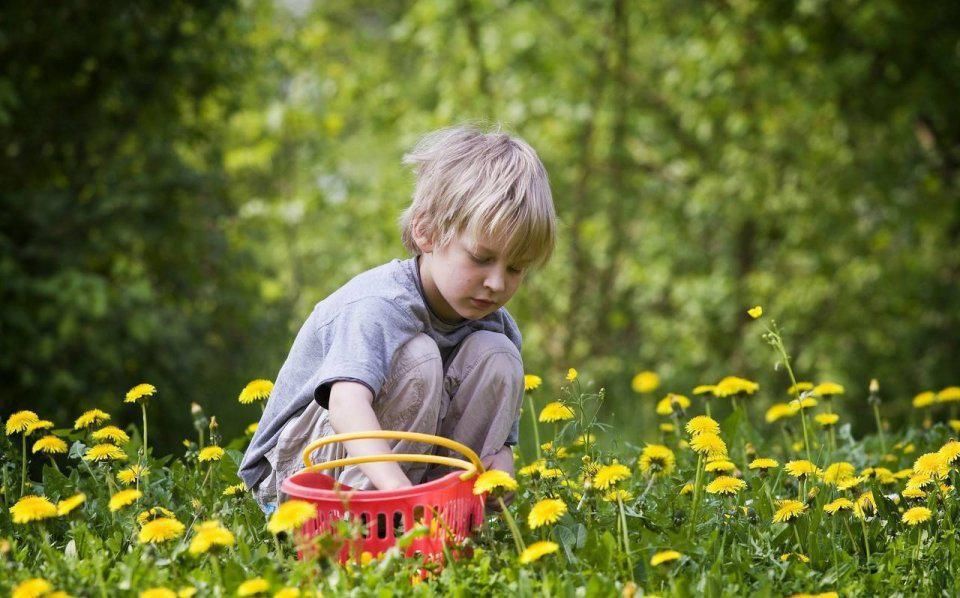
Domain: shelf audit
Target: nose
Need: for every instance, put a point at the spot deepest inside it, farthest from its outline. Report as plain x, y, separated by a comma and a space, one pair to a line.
495, 280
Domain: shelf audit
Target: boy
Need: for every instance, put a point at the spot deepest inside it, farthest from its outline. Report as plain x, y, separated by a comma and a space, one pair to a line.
423, 344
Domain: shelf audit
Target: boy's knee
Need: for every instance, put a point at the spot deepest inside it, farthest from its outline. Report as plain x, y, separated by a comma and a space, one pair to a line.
496, 354
418, 351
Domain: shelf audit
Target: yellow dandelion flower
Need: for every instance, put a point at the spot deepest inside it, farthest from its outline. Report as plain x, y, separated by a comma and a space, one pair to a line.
672, 402
287, 593
551, 473
704, 389
140, 392
537, 550
19, 422
618, 495
787, 510
779, 411
494, 479
32, 588
585, 439
210, 534
555, 412
132, 474
162, 529
909, 449
545, 512
90, 418
532, 382
40, 424
572, 375
534, 468
667, 428
799, 387
954, 425
67, 505
154, 513
826, 419
933, 464
186, 592
720, 466
798, 405
50, 445
950, 451
124, 498
802, 468
234, 490
687, 489
291, 515
251, 429
828, 389
865, 505
157, 593
657, 460
608, 475
104, 452
924, 399
837, 505
919, 480
795, 556
252, 587
913, 493
949, 394
210, 453
32, 508
726, 485
837, 472
917, 515
702, 424
257, 390
763, 464
645, 382
664, 556
112, 434
709, 444
755, 312
733, 385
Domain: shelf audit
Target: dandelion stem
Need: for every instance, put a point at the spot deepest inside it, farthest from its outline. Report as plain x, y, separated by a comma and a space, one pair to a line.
696, 494
23, 469
796, 535
143, 408
866, 541
512, 524
536, 428
626, 535
916, 551
876, 416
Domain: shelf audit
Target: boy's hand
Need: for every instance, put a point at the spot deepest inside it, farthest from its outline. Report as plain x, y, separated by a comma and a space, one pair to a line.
502, 460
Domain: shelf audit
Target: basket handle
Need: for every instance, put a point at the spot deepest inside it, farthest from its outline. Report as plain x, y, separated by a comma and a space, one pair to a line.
471, 467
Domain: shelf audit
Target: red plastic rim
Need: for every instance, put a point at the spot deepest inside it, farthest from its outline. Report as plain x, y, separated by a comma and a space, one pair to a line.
314, 485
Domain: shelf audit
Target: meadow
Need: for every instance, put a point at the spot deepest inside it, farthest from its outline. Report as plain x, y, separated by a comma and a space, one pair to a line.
790, 504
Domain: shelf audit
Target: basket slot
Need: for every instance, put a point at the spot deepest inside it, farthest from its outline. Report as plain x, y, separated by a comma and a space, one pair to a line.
382, 525
365, 522
399, 528
418, 515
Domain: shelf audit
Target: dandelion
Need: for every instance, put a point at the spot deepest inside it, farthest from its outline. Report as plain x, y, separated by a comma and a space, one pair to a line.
704, 389
798, 405
32, 508
618, 495
709, 444
546, 511
795, 556
140, 392
916, 515
924, 399
828, 389
210, 535
608, 475
720, 466
157, 593
50, 445
949, 394
20, 422
645, 382
288, 593
257, 390
913, 494
726, 485
32, 588
252, 587
799, 387
838, 505
112, 434
779, 411
104, 452
788, 510
657, 460
532, 469
124, 498
733, 386
571, 375
932, 464
802, 469
162, 529
494, 479
251, 429
40, 424
154, 513
865, 505
234, 490
131, 474
837, 472
686, 489
664, 556
763, 464
90, 418
291, 515
672, 402
702, 424
826, 419
555, 412
950, 451
531, 382
210, 453
65, 506
755, 312
537, 550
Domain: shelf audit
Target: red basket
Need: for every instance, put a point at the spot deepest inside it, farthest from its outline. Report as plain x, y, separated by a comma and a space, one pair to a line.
447, 506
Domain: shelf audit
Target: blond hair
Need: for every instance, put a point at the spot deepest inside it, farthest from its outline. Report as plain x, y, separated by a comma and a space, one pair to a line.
486, 186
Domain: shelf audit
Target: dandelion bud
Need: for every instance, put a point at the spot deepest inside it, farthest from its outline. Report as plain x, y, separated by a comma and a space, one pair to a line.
874, 386
213, 423
195, 409
629, 590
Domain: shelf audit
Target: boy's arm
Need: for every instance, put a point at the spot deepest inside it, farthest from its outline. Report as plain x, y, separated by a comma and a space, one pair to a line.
351, 411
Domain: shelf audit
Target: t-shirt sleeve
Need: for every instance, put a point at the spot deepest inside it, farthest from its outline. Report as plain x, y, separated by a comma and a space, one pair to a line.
514, 436
360, 342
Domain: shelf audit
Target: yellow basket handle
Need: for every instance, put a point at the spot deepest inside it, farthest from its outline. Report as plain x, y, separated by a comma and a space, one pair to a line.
471, 467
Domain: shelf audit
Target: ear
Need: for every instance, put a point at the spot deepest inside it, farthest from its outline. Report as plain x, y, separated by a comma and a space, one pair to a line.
423, 240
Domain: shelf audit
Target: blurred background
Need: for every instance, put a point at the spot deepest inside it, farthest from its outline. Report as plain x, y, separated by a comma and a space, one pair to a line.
182, 182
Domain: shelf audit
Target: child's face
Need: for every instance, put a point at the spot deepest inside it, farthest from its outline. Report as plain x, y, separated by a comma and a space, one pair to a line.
467, 279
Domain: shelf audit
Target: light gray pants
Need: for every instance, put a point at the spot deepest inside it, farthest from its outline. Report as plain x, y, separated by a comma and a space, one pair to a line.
475, 401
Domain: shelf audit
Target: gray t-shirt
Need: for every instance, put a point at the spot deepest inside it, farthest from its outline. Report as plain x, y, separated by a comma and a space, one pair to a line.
353, 335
